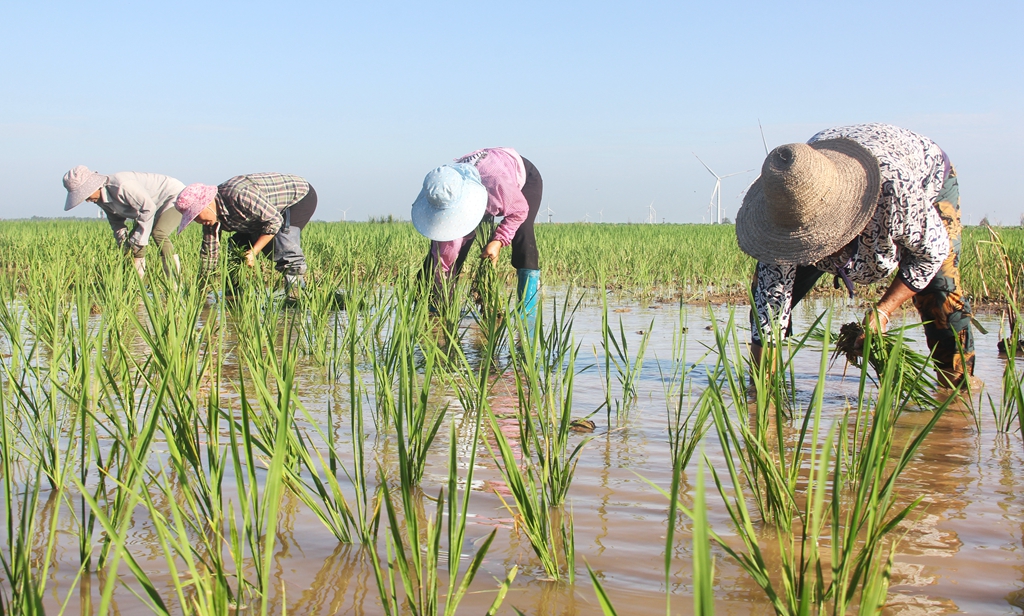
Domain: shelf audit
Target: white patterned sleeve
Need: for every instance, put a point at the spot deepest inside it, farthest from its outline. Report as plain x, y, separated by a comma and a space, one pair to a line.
923, 240
773, 298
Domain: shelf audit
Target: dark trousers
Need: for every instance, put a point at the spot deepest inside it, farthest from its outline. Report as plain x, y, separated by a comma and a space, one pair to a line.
286, 249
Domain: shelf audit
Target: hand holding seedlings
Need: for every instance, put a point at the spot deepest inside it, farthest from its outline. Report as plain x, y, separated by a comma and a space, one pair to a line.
461, 199
854, 217
491, 251
876, 320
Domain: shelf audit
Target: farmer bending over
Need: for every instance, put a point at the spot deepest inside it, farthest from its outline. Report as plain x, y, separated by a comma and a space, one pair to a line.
146, 198
267, 212
862, 203
457, 198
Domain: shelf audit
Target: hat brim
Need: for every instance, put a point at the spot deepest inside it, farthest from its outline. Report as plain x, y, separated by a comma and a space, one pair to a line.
78, 196
208, 196
453, 222
847, 209
186, 221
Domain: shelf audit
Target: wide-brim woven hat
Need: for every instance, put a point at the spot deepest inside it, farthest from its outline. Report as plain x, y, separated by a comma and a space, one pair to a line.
193, 199
451, 204
810, 201
81, 182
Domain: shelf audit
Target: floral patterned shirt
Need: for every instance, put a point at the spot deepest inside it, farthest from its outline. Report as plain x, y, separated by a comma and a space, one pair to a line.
905, 233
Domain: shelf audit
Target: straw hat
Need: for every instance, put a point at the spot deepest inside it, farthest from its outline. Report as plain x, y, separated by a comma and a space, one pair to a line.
451, 204
81, 182
193, 199
810, 201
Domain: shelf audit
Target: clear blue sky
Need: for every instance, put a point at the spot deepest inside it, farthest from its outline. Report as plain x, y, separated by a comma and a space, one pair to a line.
608, 99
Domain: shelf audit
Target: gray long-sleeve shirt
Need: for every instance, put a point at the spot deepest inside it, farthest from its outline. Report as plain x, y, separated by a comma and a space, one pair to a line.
141, 197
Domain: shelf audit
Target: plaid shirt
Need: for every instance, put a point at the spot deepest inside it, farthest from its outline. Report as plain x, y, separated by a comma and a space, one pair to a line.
250, 204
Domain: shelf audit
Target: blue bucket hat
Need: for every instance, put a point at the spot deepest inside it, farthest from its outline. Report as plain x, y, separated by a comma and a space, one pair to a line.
451, 204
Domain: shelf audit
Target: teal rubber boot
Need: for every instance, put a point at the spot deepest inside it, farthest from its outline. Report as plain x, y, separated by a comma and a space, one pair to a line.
528, 291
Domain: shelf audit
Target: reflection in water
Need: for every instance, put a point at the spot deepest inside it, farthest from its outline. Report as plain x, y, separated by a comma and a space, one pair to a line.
961, 549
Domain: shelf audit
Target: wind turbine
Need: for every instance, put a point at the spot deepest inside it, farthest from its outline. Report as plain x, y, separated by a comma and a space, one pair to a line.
344, 215
651, 213
717, 192
601, 214
586, 217
762, 137
550, 212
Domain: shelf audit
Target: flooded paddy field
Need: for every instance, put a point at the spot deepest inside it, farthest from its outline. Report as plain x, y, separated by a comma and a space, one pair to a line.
959, 550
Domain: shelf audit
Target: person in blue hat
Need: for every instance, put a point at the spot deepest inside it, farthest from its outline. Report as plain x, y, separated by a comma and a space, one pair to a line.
477, 187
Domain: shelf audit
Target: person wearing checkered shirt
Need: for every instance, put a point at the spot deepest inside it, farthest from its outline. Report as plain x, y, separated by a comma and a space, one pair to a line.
266, 213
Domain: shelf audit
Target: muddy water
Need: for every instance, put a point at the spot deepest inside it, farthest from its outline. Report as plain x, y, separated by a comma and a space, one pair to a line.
962, 551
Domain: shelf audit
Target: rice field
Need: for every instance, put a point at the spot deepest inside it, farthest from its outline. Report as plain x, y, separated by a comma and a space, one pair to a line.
163, 450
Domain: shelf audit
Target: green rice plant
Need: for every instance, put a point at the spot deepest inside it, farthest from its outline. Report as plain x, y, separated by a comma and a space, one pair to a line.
407, 408
316, 480
544, 367
532, 504
1011, 404
260, 507
602, 597
772, 472
402, 394
858, 533
857, 519
25, 583
366, 512
531, 495
695, 262
320, 322
616, 352
703, 565
890, 349
685, 431
418, 569
417, 554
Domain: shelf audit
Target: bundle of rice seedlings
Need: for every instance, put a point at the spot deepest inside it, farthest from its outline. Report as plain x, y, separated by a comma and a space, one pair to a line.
914, 371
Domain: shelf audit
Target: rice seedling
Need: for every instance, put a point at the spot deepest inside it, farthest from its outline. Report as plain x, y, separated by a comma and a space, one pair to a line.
891, 349
602, 597
1012, 273
532, 504
703, 565
685, 431
140, 409
1011, 404
396, 365
771, 470
615, 350
417, 554
25, 582
544, 367
857, 534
